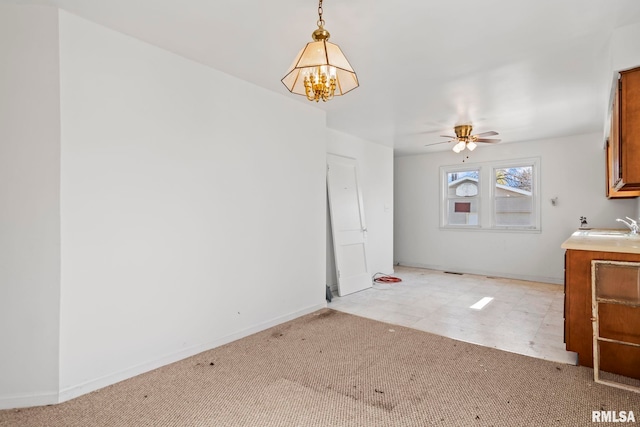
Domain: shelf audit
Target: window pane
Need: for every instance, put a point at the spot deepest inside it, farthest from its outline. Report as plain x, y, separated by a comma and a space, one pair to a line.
519, 178
455, 176
513, 204
462, 197
462, 184
462, 212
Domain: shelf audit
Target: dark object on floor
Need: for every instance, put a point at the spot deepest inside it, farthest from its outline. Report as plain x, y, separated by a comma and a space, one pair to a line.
329, 294
387, 279
383, 278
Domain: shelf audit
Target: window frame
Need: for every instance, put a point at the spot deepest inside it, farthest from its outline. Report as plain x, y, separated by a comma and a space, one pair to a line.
444, 202
487, 195
534, 163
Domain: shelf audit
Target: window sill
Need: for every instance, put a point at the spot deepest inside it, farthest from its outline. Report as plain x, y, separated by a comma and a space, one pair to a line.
493, 230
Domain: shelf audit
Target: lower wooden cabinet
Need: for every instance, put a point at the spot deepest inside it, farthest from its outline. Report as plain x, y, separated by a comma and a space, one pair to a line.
615, 321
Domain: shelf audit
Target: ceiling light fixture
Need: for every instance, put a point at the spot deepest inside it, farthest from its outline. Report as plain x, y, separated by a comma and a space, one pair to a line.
459, 146
464, 143
465, 139
320, 70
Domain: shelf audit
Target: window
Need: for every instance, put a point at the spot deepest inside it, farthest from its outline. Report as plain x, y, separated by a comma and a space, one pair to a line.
491, 195
463, 198
513, 197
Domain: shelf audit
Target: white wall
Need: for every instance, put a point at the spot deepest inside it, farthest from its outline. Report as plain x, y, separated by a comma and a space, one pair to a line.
622, 54
572, 169
29, 214
155, 207
624, 47
193, 207
375, 165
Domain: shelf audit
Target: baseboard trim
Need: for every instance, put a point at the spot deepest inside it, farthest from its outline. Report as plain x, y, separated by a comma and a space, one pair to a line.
529, 278
28, 400
77, 390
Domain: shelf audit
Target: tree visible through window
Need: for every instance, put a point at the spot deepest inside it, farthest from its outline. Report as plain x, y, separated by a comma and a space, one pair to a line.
515, 177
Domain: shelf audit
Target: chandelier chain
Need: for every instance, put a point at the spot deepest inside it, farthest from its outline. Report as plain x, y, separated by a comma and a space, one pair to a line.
320, 20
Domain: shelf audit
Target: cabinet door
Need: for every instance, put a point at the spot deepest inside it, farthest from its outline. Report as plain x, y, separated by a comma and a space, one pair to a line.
612, 153
614, 138
628, 138
578, 313
616, 317
611, 171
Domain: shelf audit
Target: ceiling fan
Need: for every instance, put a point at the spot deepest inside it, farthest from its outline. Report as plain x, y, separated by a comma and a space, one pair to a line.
465, 139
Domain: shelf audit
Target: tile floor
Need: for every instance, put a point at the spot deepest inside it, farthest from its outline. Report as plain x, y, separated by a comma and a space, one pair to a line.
523, 317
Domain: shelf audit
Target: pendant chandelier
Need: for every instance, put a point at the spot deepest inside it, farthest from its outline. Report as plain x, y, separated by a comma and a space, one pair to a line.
320, 71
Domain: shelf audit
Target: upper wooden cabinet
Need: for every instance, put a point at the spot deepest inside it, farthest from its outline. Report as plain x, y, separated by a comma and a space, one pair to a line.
624, 137
612, 193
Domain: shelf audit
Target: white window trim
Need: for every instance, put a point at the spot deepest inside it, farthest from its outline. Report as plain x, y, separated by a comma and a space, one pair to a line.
486, 193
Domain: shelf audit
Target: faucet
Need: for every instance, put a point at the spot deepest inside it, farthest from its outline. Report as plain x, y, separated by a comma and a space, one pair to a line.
632, 224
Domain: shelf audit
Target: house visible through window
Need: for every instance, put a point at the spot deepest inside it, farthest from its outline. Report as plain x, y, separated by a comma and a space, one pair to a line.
513, 197
462, 198
462, 207
491, 195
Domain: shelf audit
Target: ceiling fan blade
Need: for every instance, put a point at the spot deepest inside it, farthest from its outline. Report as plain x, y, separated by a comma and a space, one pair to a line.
487, 140
436, 143
448, 136
489, 133
423, 132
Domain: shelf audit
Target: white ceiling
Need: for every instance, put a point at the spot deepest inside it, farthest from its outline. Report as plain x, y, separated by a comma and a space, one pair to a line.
529, 69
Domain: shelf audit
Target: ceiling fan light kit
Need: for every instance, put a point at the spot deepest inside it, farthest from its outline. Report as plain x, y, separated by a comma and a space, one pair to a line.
464, 138
459, 146
320, 70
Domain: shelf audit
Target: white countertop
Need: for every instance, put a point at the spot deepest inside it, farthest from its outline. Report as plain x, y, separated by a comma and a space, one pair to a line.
603, 240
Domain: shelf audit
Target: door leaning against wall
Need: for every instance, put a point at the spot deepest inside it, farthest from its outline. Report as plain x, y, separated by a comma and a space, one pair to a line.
348, 225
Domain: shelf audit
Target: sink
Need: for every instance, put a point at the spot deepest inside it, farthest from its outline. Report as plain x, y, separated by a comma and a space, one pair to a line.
604, 240
608, 233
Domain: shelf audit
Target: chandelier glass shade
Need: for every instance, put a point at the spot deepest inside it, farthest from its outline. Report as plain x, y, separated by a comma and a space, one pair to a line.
320, 71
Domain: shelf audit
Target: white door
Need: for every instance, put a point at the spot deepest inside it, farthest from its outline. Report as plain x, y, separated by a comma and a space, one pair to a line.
347, 223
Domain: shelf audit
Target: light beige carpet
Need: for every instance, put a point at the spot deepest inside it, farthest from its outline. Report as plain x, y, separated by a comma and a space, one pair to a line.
335, 369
